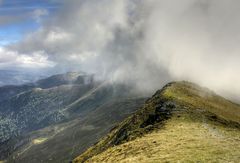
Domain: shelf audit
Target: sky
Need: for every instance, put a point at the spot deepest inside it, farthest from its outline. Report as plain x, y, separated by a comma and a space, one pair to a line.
146, 43
18, 17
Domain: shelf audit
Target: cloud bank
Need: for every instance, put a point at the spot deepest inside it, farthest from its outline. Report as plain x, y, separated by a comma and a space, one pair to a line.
145, 42
15, 60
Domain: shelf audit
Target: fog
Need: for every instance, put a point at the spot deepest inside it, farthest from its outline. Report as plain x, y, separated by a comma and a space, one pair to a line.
143, 42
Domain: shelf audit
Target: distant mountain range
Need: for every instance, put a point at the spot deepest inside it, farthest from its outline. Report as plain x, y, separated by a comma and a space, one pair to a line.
10, 77
73, 108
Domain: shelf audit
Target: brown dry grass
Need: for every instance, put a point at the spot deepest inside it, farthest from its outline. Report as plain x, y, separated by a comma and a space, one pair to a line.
182, 140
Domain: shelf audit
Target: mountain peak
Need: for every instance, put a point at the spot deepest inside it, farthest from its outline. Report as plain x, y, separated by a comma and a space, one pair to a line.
187, 93
67, 78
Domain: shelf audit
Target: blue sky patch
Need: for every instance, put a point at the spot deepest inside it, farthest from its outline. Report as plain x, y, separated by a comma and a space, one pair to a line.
16, 17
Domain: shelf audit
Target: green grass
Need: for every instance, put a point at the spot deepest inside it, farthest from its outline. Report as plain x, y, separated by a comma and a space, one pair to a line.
202, 127
201, 98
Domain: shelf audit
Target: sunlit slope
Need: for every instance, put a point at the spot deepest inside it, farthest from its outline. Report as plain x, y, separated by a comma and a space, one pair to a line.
201, 98
182, 122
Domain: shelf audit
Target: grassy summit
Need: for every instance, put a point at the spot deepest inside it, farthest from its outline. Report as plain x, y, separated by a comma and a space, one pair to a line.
197, 97
181, 122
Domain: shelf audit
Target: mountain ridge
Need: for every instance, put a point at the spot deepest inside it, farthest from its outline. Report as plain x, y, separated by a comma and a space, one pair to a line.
175, 100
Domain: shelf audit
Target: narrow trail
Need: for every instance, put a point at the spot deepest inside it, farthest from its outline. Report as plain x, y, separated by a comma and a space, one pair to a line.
212, 130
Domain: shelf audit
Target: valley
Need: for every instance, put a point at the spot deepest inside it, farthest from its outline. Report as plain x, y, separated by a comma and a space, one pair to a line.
75, 109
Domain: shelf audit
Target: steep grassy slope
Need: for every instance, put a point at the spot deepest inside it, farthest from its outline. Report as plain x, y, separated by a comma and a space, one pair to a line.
181, 122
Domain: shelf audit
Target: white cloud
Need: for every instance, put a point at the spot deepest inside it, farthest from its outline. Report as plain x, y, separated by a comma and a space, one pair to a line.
146, 42
12, 59
56, 36
83, 26
39, 13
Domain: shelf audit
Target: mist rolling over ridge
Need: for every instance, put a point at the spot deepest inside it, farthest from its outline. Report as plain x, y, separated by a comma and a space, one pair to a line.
145, 42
